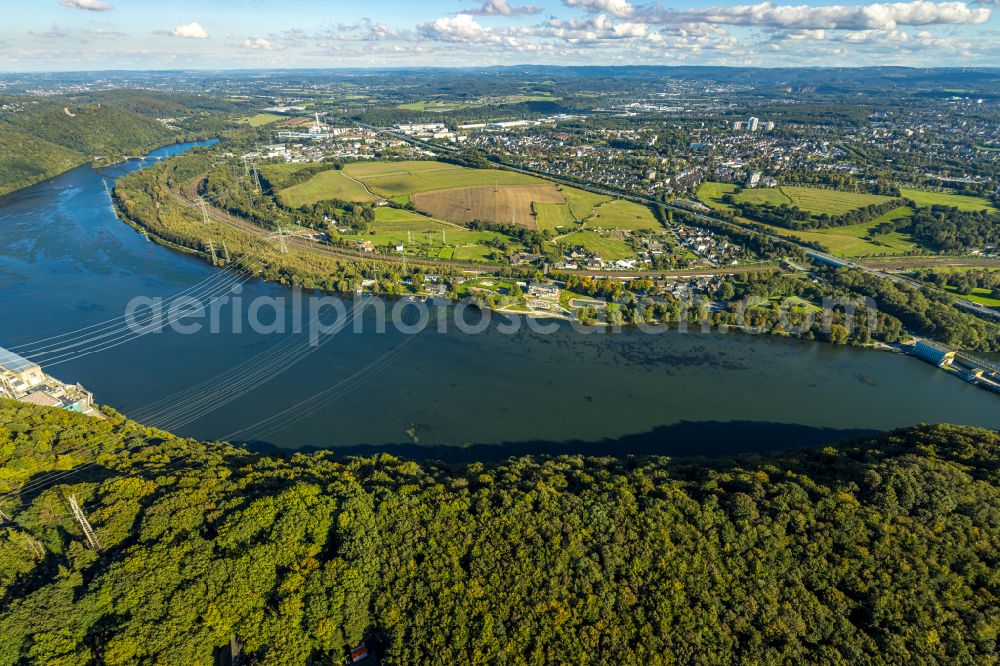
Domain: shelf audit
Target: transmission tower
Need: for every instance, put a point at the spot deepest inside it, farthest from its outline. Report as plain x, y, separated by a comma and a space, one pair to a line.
211, 250
88, 531
256, 177
204, 210
281, 240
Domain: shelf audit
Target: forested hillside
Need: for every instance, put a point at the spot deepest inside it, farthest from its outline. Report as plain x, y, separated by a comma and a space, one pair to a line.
38, 143
882, 551
26, 160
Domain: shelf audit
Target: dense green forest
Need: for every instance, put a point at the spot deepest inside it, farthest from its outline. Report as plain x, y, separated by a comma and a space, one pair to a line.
26, 160
876, 551
39, 140
39, 143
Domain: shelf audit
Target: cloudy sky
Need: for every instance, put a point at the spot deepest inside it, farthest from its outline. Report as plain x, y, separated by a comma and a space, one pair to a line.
58, 35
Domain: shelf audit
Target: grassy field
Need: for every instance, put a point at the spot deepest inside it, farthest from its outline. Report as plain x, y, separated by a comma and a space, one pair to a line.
325, 185
926, 199
582, 203
394, 219
832, 202
624, 215
393, 179
981, 296
850, 242
552, 216
423, 236
610, 249
262, 119
764, 195
811, 199
279, 175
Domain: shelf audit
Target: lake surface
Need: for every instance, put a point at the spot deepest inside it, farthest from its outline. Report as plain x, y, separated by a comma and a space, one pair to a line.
66, 263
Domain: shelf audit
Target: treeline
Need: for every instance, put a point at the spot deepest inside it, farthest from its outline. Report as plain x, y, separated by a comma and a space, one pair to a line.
963, 282
944, 228
879, 551
531, 238
924, 313
843, 182
793, 217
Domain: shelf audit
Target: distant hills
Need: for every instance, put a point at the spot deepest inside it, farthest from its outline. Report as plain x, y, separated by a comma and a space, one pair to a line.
40, 142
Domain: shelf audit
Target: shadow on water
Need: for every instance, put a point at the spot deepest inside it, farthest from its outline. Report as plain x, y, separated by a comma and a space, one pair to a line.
684, 439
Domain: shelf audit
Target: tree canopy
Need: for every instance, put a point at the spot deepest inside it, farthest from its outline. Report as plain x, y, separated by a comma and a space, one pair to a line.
882, 550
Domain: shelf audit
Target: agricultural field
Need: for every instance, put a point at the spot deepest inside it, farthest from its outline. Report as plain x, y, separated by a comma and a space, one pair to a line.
325, 185
851, 242
811, 199
582, 203
554, 217
926, 199
765, 195
610, 249
261, 119
623, 214
818, 201
458, 194
438, 106
510, 204
393, 179
423, 236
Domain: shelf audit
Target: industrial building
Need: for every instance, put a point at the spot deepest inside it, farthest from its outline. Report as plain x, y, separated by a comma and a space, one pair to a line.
934, 352
23, 380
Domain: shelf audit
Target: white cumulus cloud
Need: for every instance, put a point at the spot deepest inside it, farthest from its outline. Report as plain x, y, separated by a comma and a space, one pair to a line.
261, 44
876, 16
191, 30
618, 8
89, 5
502, 8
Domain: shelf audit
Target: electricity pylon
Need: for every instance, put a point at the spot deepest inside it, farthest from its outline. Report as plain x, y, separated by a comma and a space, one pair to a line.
88, 531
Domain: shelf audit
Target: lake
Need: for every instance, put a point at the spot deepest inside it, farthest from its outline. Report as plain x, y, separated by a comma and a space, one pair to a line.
67, 263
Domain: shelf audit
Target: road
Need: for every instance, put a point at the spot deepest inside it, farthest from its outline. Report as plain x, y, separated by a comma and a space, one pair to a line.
823, 257
192, 199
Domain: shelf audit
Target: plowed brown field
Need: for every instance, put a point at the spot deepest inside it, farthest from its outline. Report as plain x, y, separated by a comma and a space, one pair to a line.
508, 204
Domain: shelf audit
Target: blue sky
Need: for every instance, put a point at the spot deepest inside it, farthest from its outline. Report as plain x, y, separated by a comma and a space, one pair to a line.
56, 35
